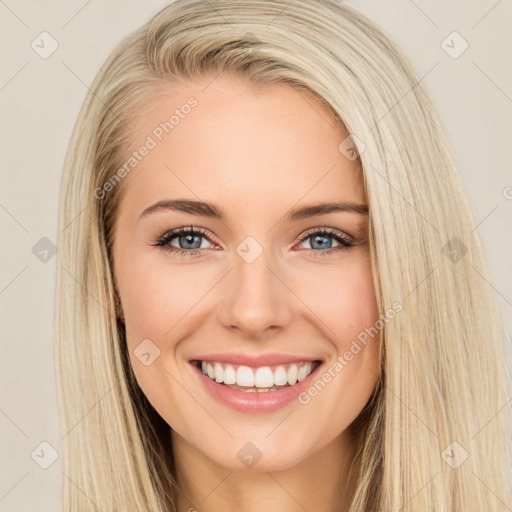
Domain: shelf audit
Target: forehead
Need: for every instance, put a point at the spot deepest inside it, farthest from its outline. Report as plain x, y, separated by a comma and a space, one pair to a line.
239, 145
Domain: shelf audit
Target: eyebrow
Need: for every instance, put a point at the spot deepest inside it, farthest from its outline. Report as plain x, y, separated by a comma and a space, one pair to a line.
206, 209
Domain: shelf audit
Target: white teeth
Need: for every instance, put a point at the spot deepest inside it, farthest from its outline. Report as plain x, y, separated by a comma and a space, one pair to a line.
303, 372
229, 375
292, 373
245, 376
262, 378
219, 372
280, 376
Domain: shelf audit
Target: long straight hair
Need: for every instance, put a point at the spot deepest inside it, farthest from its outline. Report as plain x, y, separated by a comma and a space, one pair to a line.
436, 434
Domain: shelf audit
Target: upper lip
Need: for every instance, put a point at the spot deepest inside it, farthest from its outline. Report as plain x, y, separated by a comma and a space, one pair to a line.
253, 360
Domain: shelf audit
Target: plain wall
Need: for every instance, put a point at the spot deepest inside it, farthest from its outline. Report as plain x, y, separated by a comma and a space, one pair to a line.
40, 99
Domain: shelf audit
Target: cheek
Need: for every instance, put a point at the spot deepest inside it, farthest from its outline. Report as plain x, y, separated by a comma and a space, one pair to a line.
342, 297
156, 297
156, 301
345, 303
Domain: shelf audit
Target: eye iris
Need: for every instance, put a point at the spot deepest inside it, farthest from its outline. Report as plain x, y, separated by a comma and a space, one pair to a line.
189, 239
315, 239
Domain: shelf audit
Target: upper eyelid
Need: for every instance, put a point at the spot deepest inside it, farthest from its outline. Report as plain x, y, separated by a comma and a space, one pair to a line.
328, 231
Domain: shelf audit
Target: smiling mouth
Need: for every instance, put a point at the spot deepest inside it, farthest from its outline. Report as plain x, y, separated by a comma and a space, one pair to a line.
256, 380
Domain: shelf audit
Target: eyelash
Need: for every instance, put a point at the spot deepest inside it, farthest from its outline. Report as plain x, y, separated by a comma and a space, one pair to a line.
164, 241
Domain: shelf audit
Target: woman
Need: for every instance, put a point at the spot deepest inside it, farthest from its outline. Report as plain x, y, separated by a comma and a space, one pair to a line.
256, 368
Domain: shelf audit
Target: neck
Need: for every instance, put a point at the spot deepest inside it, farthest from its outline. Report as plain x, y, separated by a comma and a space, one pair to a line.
320, 482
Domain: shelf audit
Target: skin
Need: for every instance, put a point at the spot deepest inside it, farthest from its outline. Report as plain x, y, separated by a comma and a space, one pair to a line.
256, 153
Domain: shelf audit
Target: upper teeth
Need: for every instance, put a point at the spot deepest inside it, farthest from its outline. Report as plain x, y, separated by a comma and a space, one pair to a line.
263, 377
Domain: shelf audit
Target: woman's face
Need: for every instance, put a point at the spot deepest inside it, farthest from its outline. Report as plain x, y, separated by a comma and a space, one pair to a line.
256, 295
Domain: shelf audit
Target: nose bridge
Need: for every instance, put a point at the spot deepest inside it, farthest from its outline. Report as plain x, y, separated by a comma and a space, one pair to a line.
255, 298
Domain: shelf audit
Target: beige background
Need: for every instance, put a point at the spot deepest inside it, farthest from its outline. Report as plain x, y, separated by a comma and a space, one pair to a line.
40, 99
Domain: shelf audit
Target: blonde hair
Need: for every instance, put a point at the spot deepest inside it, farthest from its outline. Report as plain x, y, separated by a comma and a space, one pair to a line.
443, 370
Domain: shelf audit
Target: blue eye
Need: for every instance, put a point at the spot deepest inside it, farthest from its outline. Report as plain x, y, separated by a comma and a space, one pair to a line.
189, 241
319, 238
186, 237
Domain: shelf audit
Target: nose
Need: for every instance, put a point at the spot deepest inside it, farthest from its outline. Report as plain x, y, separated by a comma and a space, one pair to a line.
255, 299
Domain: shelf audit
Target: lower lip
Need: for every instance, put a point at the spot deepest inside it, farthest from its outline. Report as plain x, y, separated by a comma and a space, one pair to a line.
255, 402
